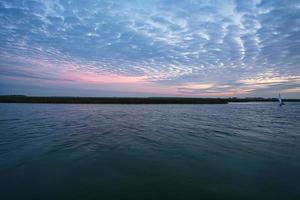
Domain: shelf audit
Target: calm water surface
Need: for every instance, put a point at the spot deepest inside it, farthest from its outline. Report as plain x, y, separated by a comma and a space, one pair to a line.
234, 151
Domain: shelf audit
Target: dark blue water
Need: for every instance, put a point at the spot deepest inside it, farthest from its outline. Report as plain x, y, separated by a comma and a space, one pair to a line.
234, 151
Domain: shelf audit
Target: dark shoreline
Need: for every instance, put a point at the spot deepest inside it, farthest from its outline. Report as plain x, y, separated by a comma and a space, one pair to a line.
110, 100
130, 100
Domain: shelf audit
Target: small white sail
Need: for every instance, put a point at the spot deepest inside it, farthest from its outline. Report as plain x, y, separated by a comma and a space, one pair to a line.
280, 100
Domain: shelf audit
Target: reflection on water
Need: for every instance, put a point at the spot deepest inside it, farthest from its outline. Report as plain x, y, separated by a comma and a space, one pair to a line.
234, 151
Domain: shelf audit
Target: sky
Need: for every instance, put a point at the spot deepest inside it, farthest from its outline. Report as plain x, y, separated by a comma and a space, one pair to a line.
194, 48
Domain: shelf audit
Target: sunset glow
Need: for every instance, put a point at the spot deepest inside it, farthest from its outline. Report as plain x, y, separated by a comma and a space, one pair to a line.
150, 48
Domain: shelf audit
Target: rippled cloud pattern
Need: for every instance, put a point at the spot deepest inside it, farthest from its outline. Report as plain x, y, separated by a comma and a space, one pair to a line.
158, 47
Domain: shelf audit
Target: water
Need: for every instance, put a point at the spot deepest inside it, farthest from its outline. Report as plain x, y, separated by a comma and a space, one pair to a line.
234, 151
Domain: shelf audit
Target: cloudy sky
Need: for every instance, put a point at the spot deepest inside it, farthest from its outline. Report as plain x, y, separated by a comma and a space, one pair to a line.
214, 48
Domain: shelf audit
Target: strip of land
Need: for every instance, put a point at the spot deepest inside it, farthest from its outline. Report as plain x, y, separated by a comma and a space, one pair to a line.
130, 100
110, 100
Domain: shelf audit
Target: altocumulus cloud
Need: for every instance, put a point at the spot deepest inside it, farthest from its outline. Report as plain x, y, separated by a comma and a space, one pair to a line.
163, 47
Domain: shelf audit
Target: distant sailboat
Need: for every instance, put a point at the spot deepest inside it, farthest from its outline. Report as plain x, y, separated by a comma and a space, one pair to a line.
280, 100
